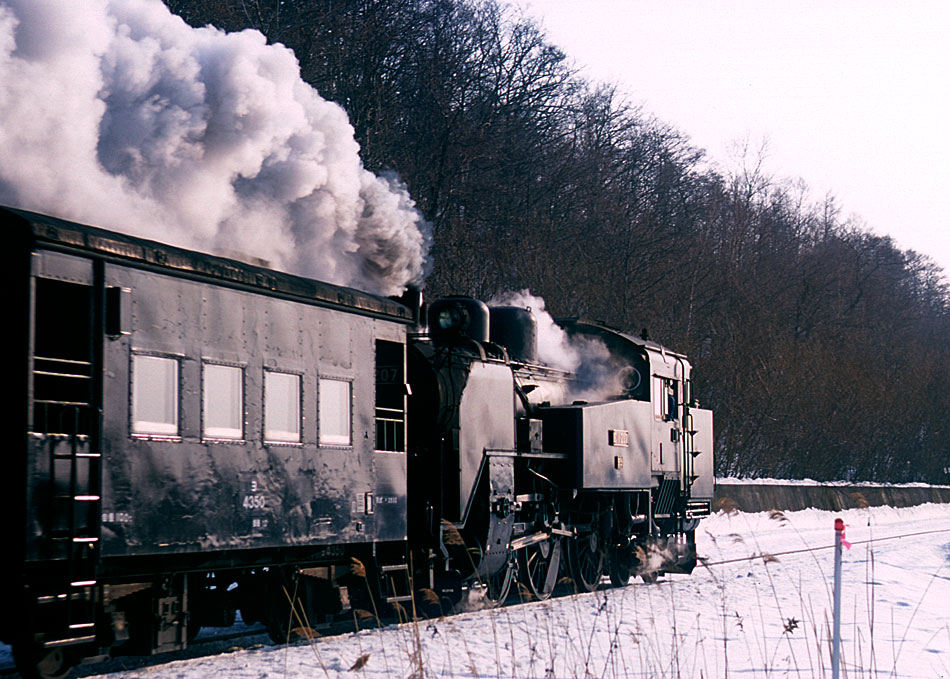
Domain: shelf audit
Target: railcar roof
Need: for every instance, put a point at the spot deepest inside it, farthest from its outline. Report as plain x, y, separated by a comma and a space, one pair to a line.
68, 236
603, 329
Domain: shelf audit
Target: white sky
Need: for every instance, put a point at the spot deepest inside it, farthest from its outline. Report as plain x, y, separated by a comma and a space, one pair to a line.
853, 97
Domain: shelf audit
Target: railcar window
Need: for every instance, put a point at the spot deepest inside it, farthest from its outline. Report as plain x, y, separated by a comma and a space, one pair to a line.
154, 395
281, 407
335, 412
223, 401
62, 358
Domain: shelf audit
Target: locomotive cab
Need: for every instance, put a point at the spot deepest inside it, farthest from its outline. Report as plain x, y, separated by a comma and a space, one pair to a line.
669, 429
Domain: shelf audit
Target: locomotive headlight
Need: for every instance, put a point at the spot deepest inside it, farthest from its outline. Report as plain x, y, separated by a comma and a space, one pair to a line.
450, 318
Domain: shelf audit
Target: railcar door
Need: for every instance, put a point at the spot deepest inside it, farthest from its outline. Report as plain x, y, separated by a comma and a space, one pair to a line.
63, 455
389, 501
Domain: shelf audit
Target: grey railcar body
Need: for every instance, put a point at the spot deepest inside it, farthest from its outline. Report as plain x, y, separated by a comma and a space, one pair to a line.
146, 379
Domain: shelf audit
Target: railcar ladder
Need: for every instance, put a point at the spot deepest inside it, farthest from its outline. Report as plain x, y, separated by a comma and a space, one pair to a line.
396, 583
689, 441
76, 545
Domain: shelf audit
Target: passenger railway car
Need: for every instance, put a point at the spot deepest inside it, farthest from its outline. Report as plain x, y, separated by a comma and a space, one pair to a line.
202, 435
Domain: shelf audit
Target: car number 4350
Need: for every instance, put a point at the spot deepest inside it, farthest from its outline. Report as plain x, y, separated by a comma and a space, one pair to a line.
254, 502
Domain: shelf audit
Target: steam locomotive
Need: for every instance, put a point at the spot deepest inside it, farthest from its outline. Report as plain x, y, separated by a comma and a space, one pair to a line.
202, 436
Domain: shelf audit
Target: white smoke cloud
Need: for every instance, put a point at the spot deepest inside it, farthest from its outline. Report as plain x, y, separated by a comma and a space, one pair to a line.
117, 113
599, 374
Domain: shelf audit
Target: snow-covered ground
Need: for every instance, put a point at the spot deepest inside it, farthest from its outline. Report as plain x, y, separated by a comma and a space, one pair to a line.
761, 607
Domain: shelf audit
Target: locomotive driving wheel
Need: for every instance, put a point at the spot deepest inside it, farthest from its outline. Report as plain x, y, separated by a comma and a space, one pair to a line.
536, 563
587, 550
586, 558
539, 562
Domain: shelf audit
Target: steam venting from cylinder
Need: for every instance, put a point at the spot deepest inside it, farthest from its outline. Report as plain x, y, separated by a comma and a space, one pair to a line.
117, 113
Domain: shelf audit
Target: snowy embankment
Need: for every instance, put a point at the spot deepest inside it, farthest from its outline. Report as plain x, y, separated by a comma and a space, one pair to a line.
760, 607
754, 495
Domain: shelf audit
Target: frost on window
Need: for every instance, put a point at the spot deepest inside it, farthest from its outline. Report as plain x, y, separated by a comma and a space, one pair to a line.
281, 407
223, 401
154, 395
335, 412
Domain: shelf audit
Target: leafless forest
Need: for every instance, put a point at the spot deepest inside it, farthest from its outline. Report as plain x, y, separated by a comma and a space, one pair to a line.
822, 348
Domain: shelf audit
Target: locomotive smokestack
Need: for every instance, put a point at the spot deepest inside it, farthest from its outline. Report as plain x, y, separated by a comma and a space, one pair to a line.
516, 329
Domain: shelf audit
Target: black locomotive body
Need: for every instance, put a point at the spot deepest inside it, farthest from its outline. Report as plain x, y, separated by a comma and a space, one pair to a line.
513, 478
202, 436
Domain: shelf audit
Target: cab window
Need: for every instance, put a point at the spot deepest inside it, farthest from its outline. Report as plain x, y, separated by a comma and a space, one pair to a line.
665, 402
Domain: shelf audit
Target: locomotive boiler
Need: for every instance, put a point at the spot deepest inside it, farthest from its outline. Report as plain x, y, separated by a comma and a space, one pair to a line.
199, 436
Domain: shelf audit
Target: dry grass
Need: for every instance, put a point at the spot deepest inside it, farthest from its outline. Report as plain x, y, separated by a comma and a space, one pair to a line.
761, 617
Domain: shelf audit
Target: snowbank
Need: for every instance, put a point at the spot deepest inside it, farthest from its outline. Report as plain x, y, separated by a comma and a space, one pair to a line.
762, 494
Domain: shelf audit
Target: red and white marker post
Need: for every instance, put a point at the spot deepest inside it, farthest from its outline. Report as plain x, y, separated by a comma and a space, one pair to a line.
836, 640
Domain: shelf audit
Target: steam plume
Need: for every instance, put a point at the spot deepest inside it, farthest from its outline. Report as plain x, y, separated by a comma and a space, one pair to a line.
117, 113
599, 374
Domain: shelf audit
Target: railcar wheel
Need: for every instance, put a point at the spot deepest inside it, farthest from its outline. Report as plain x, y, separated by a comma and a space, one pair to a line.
535, 564
278, 624
586, 557
35, 662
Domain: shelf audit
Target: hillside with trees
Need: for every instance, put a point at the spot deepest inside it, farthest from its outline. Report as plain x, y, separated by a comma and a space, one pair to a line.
822, 348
